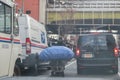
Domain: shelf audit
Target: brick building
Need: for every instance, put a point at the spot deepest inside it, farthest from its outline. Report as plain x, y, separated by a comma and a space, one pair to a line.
35, 8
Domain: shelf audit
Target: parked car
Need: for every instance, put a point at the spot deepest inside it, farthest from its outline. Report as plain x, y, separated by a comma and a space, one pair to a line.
97, 50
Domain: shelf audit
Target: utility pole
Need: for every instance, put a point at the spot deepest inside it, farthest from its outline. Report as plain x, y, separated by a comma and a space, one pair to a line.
22, 6
59, 31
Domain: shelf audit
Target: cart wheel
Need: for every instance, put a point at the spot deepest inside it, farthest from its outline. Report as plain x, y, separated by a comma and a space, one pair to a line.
34, 70
62, 73
52, 73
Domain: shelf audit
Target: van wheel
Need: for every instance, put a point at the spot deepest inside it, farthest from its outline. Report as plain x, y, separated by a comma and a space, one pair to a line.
62, 74
36, 69
17, 71
115, 71
78, 70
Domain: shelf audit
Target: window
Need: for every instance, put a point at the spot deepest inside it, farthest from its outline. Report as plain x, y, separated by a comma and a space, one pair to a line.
2, 20
101, 42
16, 26
43, 37
87, 41
5, 18
93, 41
8, 19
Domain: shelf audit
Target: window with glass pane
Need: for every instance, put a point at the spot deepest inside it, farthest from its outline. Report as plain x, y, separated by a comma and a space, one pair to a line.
8, 19
88, 41
101, 42
2, 20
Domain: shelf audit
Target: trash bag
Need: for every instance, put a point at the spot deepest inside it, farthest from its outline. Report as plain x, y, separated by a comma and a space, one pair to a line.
56, 53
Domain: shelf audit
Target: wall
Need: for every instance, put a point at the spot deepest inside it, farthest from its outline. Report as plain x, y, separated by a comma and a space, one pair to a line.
29, 5
42, 11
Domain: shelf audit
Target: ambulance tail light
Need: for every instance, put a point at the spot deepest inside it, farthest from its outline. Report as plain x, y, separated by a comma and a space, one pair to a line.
28, 46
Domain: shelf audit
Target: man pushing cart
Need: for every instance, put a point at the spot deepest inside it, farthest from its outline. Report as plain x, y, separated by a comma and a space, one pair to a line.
57, 67
58, 57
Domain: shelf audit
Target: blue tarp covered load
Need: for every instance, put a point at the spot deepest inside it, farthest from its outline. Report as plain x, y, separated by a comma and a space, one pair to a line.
56, 53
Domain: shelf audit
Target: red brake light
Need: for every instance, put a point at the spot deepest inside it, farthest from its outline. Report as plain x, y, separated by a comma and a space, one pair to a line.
77, 52
28, 46
116, 52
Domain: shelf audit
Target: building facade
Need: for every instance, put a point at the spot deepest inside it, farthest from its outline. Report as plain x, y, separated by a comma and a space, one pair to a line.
83, 12
35, 8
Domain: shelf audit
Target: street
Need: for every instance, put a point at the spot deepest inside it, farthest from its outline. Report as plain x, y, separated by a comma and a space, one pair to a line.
37, 34
70, 74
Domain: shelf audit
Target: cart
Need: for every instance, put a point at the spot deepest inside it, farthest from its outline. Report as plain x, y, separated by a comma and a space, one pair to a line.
58, 57
57, 67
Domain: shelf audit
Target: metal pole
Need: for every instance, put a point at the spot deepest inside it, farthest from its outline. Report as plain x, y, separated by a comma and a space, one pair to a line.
46, 3
59, 31
22, 6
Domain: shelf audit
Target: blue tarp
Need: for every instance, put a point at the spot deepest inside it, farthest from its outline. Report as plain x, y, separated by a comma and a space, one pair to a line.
56, 53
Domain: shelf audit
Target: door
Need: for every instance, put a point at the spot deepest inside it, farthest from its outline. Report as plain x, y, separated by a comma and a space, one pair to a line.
87, 46
5, 38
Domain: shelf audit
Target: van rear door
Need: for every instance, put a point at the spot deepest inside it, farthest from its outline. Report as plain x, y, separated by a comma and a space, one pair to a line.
87, 46
97, 46
105, 45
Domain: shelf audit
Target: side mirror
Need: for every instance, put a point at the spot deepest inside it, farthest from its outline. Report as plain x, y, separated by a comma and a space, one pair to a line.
16, 30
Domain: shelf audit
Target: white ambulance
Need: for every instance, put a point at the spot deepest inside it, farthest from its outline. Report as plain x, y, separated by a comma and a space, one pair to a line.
33, 38
19, 45
10, 47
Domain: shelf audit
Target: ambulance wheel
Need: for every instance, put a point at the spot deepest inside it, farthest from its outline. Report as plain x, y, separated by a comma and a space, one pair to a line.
17, 71
34, 70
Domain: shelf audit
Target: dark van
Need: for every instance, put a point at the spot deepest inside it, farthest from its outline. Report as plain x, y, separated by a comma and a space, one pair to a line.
97, 50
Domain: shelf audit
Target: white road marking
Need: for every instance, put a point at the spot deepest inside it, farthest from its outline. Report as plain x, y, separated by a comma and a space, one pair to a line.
70, 64
119, 73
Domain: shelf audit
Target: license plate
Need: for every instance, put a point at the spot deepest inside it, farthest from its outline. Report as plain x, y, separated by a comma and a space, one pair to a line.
88, 55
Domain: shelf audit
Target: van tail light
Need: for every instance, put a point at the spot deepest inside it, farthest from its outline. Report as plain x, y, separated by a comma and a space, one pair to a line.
77, 52
116, 52
28, 46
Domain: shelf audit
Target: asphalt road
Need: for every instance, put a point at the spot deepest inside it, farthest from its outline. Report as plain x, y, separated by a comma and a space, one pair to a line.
70, 74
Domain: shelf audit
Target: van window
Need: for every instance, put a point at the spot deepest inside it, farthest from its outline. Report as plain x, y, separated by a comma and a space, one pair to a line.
5, 18
111, 42
99, 42
87, 41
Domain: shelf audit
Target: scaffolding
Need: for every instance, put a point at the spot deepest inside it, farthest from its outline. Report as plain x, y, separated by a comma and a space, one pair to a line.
84, 12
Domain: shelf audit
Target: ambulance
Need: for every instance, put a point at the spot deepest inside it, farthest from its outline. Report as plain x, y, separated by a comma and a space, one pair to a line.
10, 47
33, 37
21, 39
